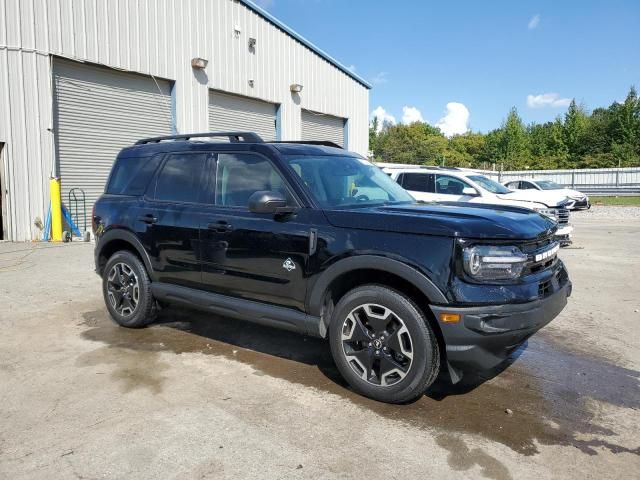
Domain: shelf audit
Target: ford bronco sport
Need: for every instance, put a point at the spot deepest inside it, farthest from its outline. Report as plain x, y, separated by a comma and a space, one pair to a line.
315, 239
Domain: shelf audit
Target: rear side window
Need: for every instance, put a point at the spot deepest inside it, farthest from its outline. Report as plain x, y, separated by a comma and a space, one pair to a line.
417, 182
182, 178
130, 176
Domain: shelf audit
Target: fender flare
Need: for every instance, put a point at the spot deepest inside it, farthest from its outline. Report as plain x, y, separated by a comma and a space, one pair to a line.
130, 238
316, 296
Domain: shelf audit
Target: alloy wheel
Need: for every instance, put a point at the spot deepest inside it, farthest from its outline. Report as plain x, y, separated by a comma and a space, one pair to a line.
377, 344
123, 289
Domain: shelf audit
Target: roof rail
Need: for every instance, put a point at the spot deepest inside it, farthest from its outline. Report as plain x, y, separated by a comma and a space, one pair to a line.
233, 137
325, 143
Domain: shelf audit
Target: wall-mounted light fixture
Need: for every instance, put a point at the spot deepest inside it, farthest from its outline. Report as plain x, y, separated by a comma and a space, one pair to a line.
199, 63
251, 83
252, 43
295, 88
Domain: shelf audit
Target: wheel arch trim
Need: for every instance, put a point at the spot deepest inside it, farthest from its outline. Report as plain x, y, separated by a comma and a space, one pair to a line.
316, 295
131, 239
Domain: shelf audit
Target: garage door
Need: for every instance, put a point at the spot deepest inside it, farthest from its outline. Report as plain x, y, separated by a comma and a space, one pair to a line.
97, 112
318, 126
229, 113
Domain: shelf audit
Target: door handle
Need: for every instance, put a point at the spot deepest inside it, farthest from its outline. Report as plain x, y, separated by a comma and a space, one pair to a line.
149, 218
220, 226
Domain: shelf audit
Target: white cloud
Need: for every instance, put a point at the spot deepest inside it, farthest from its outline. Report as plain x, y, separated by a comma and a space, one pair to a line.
534, 22
553, 100
383, 117
411, 115
352, 68
380, 77
455, 120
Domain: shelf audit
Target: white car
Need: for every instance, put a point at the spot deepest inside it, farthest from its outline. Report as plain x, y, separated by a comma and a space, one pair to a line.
438, 184
580, 199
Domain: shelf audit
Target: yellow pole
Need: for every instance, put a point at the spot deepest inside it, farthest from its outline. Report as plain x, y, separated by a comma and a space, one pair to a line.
56, 210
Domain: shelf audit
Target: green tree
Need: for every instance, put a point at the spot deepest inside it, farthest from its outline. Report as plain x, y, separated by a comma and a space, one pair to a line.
575, 127
513, 146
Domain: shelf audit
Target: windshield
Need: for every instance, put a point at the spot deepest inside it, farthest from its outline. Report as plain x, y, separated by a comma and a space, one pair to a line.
488, 184
342, 181
549, 185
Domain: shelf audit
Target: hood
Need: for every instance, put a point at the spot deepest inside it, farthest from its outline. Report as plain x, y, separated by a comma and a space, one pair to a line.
550, 198
451, 219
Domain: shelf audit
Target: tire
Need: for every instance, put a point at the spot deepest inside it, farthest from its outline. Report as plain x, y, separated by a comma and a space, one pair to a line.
126, 288
411, 361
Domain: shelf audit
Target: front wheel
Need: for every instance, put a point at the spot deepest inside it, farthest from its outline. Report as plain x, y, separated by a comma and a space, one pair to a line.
383, 344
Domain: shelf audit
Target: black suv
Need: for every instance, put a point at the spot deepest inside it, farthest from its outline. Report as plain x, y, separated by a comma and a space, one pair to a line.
315, 239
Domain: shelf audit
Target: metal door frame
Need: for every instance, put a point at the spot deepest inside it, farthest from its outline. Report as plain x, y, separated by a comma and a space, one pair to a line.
4, 210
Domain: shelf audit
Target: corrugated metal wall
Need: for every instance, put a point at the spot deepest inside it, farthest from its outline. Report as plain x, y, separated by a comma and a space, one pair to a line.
317, 126
233, 112
97, 112
156, 37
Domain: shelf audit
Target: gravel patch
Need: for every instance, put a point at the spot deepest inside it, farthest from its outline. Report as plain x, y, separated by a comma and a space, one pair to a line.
608, 212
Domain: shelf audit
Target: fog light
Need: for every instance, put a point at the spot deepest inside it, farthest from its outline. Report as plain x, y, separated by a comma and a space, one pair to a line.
450, 317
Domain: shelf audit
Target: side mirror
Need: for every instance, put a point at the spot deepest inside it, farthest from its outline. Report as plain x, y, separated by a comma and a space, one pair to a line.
469, 191
265, 201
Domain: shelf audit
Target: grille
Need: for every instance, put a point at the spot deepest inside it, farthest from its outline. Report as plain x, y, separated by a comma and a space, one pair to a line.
562, 216
535, 246
545, 289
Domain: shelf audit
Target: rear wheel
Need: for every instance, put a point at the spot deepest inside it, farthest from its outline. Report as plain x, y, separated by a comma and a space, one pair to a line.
383, 344
127, 290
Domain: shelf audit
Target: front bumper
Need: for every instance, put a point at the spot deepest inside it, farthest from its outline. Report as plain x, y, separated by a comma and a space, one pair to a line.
563, 235
486, 335
584, 203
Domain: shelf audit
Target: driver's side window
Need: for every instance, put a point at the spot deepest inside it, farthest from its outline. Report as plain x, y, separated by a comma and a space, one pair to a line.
240, 175
448, 185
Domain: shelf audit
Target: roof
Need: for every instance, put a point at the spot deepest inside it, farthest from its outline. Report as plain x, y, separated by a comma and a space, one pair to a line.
263, 13
149, 149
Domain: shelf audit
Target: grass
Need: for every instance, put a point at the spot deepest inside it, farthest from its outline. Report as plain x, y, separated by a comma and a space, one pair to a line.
634, 201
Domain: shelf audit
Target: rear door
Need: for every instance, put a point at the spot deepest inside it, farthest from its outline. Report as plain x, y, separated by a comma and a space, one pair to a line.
420, 185
250, 255
171, 214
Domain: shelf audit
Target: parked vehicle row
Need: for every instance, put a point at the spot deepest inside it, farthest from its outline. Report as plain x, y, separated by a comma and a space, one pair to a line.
579, 199
438, 184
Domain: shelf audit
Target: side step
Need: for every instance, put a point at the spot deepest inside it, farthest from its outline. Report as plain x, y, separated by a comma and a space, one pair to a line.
257, 312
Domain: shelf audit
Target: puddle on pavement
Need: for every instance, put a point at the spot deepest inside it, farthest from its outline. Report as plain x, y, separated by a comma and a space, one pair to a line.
547, 389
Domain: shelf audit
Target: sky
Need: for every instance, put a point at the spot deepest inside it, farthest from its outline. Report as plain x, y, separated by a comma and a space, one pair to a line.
462, 65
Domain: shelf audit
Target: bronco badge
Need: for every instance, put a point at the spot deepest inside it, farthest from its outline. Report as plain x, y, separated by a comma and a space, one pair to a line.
288, 265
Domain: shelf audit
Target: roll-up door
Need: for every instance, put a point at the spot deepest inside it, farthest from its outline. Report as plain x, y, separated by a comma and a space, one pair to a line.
318, 126
229, 113
97, 112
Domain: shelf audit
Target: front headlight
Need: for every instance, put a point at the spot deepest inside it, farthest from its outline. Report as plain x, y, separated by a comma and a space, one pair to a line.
549, 212
492, 262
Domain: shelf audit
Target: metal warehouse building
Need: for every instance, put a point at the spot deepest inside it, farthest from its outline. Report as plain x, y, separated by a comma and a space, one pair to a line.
80, 79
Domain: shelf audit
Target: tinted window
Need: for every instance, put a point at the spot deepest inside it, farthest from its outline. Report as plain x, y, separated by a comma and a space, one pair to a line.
450, 185
489, 185
527, 186
344, 181
418, 182
130, 176
181, 179
238, 176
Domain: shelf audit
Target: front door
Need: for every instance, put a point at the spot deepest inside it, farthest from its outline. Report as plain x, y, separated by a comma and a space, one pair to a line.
249, 255
169, 218
450, 189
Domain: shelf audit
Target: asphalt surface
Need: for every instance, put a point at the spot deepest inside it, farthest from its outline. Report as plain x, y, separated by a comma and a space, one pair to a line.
196, 396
